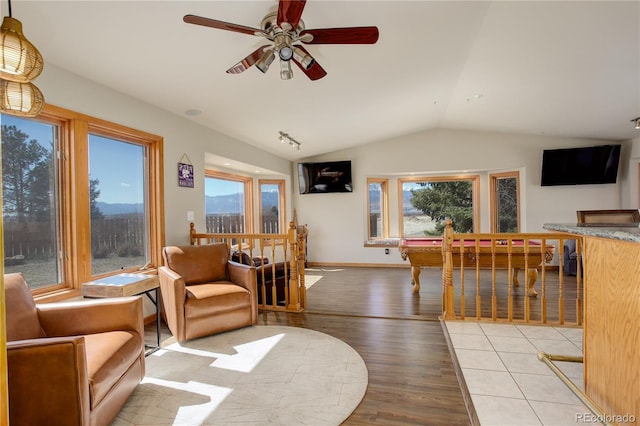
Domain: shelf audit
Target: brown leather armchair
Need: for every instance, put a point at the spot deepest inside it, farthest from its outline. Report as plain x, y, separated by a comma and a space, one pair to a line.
72, 363
204, 293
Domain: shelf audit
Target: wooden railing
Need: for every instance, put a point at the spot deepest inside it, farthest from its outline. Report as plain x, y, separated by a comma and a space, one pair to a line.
286, 250
492, 292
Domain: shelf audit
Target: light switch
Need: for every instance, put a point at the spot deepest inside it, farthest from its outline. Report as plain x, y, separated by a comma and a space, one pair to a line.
190, 216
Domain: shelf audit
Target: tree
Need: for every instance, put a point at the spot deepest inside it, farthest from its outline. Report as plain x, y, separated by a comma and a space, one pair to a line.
26, 176
442, 200
94, 193
507, 205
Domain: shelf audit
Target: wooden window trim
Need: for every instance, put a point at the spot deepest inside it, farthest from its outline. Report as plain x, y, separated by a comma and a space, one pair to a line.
248, 194
281, 201
384, 207
475, 185
493, 197
74, 195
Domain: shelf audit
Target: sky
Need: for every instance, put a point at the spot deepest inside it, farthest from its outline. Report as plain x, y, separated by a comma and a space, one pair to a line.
117, 165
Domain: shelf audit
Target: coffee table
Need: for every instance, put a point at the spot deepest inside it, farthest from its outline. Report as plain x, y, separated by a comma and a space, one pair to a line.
127, 284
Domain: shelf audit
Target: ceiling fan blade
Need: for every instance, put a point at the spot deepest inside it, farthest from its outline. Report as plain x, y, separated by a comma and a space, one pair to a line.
349, 35
314, 72
290, 11
247, 62
221, 25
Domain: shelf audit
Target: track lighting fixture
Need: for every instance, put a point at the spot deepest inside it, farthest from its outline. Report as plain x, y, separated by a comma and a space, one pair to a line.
284, 137
636, 122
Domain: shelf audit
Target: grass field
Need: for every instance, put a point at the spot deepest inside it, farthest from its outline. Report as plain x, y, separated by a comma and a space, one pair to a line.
41, 273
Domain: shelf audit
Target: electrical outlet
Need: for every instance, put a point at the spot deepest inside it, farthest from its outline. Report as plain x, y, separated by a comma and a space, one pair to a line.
190, 216
386, 251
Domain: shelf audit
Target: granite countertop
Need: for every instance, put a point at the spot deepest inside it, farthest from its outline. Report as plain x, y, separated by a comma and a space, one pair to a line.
614, 231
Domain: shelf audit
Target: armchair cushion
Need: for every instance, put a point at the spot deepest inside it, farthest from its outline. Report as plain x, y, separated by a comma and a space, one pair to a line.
23, 323
207, 264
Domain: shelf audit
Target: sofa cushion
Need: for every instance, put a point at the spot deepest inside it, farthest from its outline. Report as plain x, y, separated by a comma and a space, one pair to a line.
109, 355
198, 264
207, 299
22, 315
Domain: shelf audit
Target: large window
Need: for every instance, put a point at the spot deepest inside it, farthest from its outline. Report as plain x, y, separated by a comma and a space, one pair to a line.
30, 200
426, 202
378, 208
505, 202
118, 207
82, 198
228, 202
272, 206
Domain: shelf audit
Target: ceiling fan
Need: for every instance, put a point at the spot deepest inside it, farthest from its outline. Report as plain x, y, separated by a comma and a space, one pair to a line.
284, 30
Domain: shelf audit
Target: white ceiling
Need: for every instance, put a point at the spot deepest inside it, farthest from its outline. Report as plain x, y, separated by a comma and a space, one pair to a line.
543, 67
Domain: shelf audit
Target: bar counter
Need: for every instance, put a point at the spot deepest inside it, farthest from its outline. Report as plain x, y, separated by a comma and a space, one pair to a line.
611, 346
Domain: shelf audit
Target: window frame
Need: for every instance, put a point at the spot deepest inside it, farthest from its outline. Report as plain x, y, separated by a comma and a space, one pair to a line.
384, 208
248, 194
73, 202
493, 197
281, 203
475, 188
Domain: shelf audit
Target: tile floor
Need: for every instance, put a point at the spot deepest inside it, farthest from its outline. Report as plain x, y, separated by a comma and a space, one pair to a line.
508, 384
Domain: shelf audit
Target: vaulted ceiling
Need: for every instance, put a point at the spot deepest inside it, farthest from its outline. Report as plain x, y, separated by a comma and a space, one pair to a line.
541, 67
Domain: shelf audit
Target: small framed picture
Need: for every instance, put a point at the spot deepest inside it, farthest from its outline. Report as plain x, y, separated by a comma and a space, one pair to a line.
185, 175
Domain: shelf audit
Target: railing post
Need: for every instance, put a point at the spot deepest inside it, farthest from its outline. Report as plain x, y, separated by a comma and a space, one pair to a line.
192, 233
293, 280
447, 290
301, 233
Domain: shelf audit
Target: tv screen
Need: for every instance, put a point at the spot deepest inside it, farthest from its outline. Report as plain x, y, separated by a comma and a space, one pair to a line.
324, 177
580, 166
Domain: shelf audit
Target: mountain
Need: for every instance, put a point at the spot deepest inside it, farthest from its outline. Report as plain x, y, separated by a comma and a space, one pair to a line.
234, 203
111, 209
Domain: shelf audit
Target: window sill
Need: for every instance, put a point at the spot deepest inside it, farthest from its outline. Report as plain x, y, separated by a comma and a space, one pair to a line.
382, 242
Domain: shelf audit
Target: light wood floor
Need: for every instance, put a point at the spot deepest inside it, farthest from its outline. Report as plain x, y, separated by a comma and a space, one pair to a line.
411, 376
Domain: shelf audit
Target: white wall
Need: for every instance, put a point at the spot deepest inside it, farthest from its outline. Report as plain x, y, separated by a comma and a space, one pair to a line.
337, 222
181, 136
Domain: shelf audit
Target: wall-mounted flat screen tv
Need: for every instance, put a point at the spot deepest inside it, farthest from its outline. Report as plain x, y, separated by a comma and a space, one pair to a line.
325, 177
580, 166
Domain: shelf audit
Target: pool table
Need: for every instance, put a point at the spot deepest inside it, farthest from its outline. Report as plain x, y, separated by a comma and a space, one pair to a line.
428, 252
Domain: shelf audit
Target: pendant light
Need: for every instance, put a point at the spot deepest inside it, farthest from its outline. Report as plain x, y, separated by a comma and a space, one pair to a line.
20, 63
20, 99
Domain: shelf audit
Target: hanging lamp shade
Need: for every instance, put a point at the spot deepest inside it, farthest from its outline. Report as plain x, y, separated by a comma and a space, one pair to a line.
20, 61
20, 99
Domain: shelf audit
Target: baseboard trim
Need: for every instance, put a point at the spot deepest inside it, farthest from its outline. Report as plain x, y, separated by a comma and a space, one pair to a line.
357, 265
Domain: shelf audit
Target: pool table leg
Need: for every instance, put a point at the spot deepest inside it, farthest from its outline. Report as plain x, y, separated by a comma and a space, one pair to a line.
415, 278
532, 277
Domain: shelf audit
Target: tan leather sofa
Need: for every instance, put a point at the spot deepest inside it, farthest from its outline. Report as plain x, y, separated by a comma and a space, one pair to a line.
204, 293
73, 363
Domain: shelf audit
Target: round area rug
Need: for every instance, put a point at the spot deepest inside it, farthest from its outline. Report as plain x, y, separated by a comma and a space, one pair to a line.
258, 375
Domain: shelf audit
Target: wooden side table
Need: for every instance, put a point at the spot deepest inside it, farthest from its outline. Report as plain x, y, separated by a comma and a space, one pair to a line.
123, 285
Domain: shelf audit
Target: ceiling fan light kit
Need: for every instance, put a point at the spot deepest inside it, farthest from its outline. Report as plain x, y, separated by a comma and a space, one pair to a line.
284, 29
20, 63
